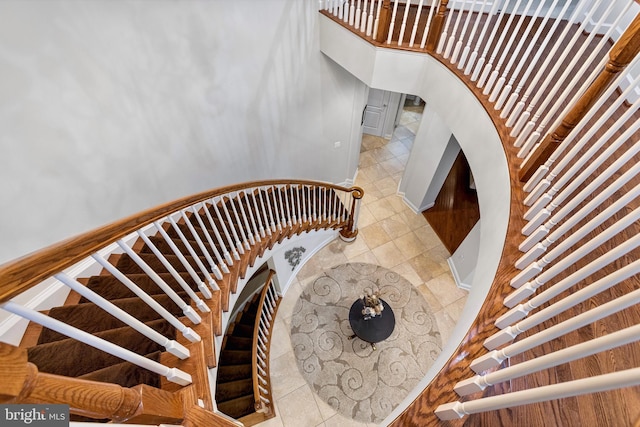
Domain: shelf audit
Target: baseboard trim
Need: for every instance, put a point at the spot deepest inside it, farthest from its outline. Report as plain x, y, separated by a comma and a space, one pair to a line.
456, 276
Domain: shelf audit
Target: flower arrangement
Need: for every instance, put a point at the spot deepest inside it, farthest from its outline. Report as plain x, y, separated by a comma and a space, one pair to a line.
372, 305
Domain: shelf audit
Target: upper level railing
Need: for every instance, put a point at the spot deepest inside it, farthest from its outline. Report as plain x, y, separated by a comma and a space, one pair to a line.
177, 263
561, 77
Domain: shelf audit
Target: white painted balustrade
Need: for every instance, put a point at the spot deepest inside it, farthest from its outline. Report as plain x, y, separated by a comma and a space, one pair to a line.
456, 410
210, 236
535, 59
171, 374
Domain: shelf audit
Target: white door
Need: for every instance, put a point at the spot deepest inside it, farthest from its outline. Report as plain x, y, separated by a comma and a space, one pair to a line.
375, 112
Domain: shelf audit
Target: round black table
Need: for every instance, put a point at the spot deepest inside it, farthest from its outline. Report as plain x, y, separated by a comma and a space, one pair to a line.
372, 330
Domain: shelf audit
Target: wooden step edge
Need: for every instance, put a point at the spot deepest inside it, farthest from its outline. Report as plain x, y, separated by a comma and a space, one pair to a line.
196, 366
256, 418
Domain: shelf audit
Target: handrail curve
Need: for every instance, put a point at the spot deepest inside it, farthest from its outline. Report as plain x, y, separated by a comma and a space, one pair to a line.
23, 273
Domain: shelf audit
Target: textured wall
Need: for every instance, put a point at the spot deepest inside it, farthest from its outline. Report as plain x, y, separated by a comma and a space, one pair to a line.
111, 107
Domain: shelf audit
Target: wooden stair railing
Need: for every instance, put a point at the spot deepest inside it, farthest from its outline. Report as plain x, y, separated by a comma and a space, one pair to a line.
140, 404
178, 267
263, 327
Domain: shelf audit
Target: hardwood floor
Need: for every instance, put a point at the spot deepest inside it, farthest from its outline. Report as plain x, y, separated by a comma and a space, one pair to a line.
456, 208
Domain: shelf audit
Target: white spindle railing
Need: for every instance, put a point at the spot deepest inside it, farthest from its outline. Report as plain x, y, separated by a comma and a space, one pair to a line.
171, 374
263, 327
196, 251
535, 61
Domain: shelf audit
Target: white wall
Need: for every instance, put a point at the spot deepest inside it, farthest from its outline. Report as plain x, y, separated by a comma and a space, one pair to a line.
433, 153
111, 107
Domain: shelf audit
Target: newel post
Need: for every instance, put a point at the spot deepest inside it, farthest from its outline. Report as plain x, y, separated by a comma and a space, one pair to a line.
22, 383
621, 54
349, 232
435, 30
385, 21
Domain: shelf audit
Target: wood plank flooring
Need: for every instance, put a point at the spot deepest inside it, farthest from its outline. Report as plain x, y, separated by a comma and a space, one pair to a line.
456, 208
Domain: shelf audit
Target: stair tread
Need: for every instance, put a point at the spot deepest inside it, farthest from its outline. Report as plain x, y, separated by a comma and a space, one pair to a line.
228, 373
234, 389
126, 374
238, 407
86, 358
91, 318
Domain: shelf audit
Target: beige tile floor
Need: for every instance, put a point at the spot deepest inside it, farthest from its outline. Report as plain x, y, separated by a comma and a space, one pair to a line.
391, 235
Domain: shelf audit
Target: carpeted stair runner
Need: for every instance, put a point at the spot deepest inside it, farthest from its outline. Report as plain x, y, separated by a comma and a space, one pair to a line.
55, 353
234, 389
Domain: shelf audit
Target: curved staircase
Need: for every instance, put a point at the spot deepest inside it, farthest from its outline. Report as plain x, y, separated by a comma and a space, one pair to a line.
168, 275
234, 389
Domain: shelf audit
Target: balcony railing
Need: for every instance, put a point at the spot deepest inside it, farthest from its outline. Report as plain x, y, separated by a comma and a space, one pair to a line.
562, 78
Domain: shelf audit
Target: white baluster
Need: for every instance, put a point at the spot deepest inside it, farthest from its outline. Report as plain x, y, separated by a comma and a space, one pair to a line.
465, 27
496, 357
471, 62
376, 23
488, 77
452, 38
224, 247
206, 292
520, 311
237, 221
370, 19
232, 245
184, 261
239, 246
467, 49
445, 29
530, 287
363, 19
172, 374
549, 360
506, 92
250, 232
403, 26
207, 236
456, 410
590, 189
172, 346
358, 15
203, 249
393, 21
543, 70
480, 64
352, 13
579, 161
497, 93
257, 212
434, 7
186, 309
560, 82
192, 253
574, 237
345, 12
415, 24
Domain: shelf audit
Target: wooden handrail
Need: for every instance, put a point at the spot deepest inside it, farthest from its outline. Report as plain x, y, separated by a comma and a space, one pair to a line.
435, 31
621, 54
23, 273
143, 404
254, 350
348, 232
